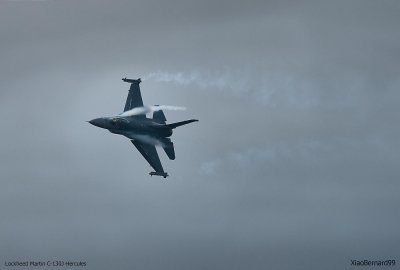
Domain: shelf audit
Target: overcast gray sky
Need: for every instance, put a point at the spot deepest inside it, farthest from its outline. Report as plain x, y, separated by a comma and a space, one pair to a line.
293, 165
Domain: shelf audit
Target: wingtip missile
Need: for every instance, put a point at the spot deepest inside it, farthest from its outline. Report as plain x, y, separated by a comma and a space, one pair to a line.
163, 174
131, 80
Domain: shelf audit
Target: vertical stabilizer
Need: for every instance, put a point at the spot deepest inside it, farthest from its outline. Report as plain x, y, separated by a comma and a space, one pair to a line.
159, 117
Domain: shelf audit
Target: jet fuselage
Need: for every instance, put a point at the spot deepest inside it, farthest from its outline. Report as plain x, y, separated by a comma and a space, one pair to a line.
131, 126
144, 133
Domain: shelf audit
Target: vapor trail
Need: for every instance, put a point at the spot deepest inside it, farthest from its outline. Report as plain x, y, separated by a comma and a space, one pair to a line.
146, 139
150, 109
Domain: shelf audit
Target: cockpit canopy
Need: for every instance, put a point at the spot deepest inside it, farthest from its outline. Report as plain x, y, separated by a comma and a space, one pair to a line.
118, 121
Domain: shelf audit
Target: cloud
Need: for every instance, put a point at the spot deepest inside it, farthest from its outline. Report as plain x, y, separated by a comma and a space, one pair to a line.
296, 154
210, 167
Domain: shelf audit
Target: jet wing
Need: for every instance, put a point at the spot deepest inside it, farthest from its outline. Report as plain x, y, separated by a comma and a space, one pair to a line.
149, 152
134, 98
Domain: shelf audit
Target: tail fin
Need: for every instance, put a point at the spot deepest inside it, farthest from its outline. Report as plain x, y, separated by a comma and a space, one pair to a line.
159, 117
178, 124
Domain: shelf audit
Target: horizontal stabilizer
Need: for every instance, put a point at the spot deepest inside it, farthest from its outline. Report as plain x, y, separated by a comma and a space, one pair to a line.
168, 147
178, 124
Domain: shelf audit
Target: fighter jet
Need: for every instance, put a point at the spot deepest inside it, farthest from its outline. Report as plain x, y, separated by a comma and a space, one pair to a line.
144, 133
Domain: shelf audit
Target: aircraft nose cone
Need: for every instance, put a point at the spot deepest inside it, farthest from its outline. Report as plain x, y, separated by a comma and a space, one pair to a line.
96, 122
